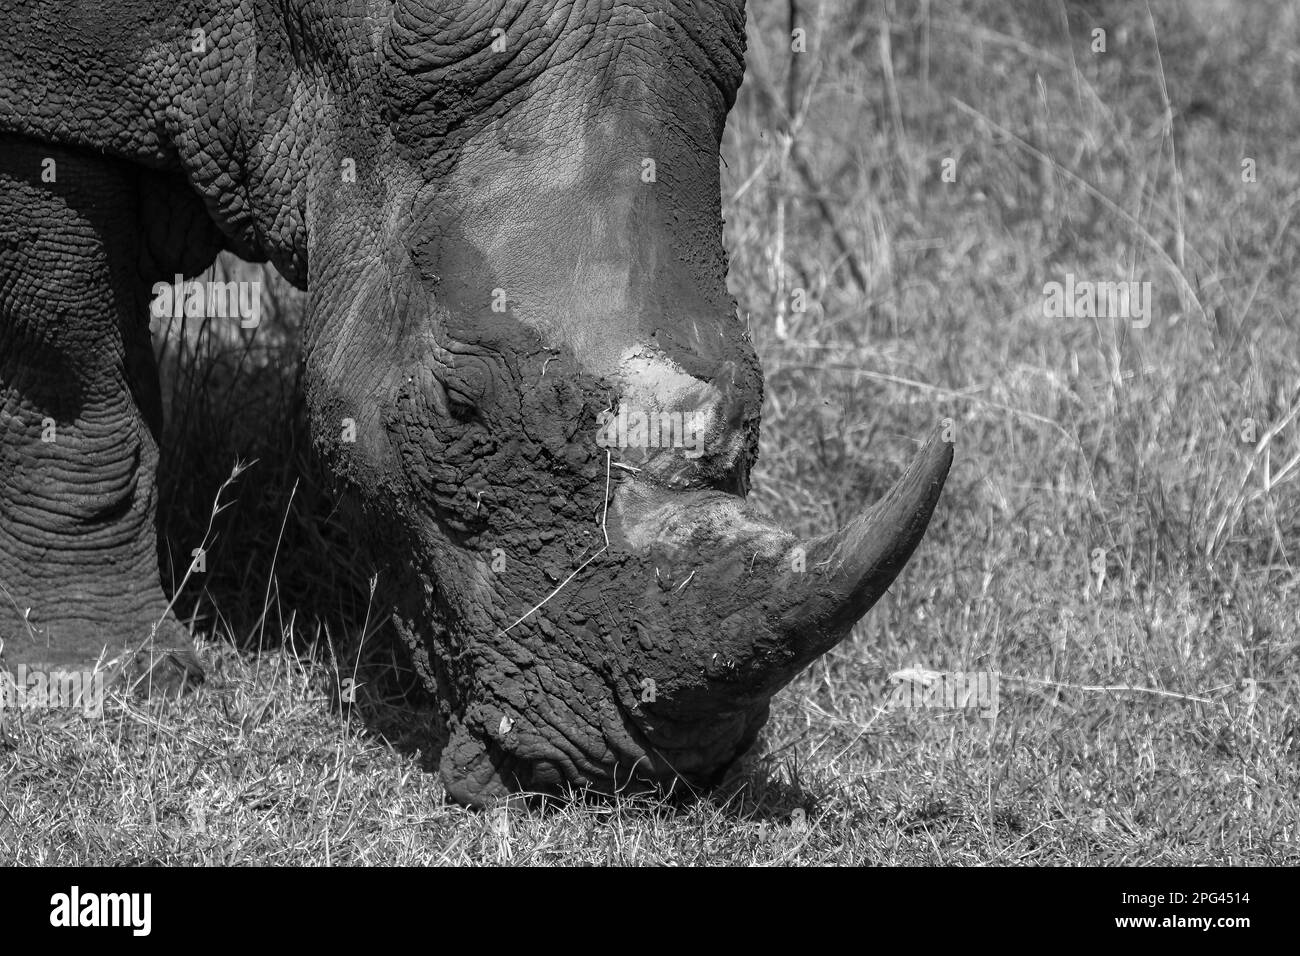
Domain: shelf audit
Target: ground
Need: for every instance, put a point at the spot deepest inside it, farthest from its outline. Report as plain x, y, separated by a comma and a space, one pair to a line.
1113, 543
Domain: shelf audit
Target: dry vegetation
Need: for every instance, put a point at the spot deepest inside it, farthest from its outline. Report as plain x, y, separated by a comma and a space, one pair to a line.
1147, 715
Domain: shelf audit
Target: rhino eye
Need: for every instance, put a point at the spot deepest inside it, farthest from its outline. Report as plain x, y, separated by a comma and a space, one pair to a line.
461, 408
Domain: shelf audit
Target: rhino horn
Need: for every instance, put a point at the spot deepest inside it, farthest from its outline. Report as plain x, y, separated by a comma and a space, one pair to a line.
851, 568
766, 598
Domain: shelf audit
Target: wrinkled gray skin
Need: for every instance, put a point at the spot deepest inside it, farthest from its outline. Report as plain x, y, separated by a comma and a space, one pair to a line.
475, 469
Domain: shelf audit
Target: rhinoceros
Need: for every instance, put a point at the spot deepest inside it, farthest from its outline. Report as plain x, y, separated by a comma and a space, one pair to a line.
523, 365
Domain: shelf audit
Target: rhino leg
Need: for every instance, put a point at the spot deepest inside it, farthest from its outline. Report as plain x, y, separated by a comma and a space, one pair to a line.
79, 411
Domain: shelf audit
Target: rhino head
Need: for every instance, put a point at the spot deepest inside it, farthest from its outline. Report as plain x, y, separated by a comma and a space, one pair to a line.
527, 370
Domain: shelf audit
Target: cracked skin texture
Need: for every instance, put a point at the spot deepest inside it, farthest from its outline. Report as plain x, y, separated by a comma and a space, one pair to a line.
491, 267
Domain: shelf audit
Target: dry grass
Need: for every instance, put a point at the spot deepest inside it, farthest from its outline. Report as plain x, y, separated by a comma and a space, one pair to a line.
1147, 715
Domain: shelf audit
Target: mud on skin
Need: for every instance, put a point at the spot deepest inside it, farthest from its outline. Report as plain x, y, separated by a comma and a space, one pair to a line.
507, 218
